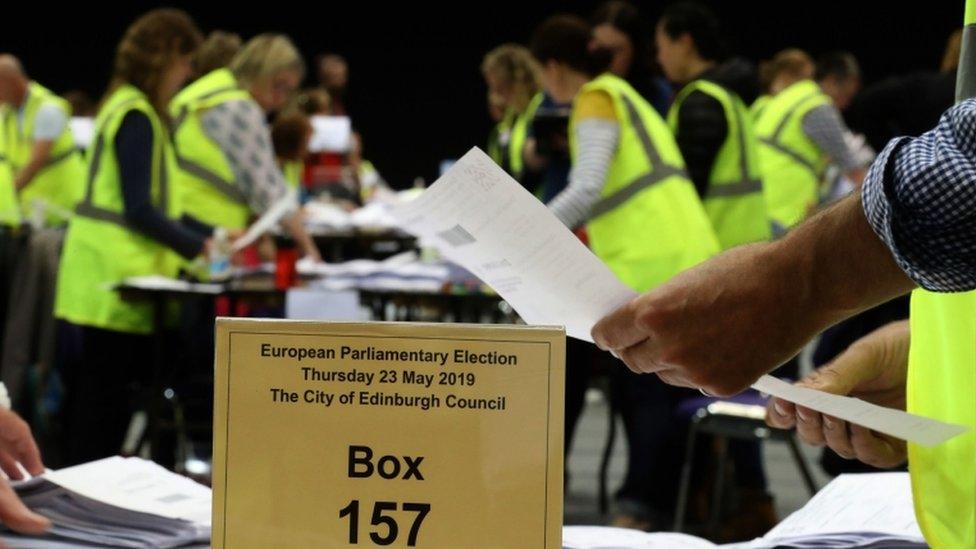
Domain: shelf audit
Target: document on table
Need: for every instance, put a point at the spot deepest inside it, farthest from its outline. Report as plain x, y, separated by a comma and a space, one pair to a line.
482, 219
867, 509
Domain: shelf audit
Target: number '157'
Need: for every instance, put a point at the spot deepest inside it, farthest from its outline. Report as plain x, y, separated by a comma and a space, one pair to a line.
382, 522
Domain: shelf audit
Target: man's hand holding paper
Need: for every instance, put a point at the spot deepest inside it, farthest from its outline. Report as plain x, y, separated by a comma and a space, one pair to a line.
719, 326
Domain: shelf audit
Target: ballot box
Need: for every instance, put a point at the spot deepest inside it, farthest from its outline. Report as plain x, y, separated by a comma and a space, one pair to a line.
387, 434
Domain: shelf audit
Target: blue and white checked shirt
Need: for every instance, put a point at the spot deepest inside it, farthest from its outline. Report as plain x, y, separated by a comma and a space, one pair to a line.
920, 198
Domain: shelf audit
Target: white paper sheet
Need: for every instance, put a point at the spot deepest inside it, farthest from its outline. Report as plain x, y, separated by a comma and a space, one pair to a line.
867, 502
140, 485
268, 221
482, 219
917, 429
330, 134
599, 537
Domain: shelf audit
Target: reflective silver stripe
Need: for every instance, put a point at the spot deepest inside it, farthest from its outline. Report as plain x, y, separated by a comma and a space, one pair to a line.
792, 154
659, 170
228, 188
630, 190
58, 158
86, 208
745, 185
185, 111
739, 188
91, 211
790, 112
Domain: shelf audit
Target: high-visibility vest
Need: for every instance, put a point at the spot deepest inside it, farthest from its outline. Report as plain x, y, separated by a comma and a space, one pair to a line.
942, 386
792, 165
520, 133
101, 249
9, 208
500, 139
734, 199
756, 109
293, 170
205, 177
61, 181
649, 223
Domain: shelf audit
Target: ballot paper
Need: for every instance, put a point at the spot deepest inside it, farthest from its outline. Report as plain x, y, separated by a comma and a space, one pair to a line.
917, 429
115, 502
268, 221
599, 537
860, 510
482, 219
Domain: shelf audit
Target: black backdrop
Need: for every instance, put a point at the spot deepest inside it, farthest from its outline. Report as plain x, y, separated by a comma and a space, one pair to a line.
416, 92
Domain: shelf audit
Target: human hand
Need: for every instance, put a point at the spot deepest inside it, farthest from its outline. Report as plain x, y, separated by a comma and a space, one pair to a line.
874, 369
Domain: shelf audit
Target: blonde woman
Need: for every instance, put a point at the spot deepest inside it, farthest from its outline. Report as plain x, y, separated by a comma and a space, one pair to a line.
127, 225
228, 172
514, 93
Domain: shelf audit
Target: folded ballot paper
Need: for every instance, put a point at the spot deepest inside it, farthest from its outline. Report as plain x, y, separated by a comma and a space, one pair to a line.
116, 502
479, 217
866, 510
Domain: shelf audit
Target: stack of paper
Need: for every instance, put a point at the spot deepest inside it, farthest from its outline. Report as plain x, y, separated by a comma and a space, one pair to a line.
595, 537
116, 502
863, 510
402, 272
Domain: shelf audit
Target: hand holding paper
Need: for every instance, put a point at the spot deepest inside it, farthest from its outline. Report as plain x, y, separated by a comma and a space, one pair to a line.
484, 220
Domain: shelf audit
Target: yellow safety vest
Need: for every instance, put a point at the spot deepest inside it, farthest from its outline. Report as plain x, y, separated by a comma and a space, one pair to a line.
649, 224
61, 181
210, 192
756, 109
792, 165
500, 139
520, 133
942, 386
293, 169
100, 248
9, 208
734, 200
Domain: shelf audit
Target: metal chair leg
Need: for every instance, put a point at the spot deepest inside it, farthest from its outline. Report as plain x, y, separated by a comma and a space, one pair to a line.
684, 487
718, 489
604, 502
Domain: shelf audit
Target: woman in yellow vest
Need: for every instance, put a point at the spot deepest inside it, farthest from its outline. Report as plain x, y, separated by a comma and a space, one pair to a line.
629, 190
512, 77
227, 167
711, 124
128, 224
800, 131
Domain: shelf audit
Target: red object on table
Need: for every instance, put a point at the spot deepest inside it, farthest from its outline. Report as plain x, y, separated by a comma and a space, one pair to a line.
285, 272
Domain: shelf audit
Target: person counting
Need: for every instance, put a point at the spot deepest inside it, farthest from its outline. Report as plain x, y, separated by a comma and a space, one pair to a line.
226, 163
129, 223
712, 126
37, 145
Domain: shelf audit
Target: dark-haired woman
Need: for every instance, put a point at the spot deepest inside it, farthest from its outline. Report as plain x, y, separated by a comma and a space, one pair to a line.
629, 189
619, 29
128, 225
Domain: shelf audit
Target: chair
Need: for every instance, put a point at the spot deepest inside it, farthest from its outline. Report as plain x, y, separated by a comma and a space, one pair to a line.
741, 417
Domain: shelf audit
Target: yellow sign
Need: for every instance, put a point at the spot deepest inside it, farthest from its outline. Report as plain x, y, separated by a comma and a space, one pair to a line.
434, 436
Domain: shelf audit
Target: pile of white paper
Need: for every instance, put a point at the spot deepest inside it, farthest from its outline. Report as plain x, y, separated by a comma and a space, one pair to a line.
116, 502
862, 510
401, 272
865, 510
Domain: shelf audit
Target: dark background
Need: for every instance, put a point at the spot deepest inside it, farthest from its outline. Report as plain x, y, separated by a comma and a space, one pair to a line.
416, 93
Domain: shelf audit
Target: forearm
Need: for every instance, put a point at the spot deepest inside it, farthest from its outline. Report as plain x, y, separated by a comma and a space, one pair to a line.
597, 145
293, 225
842, 266
25, 175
